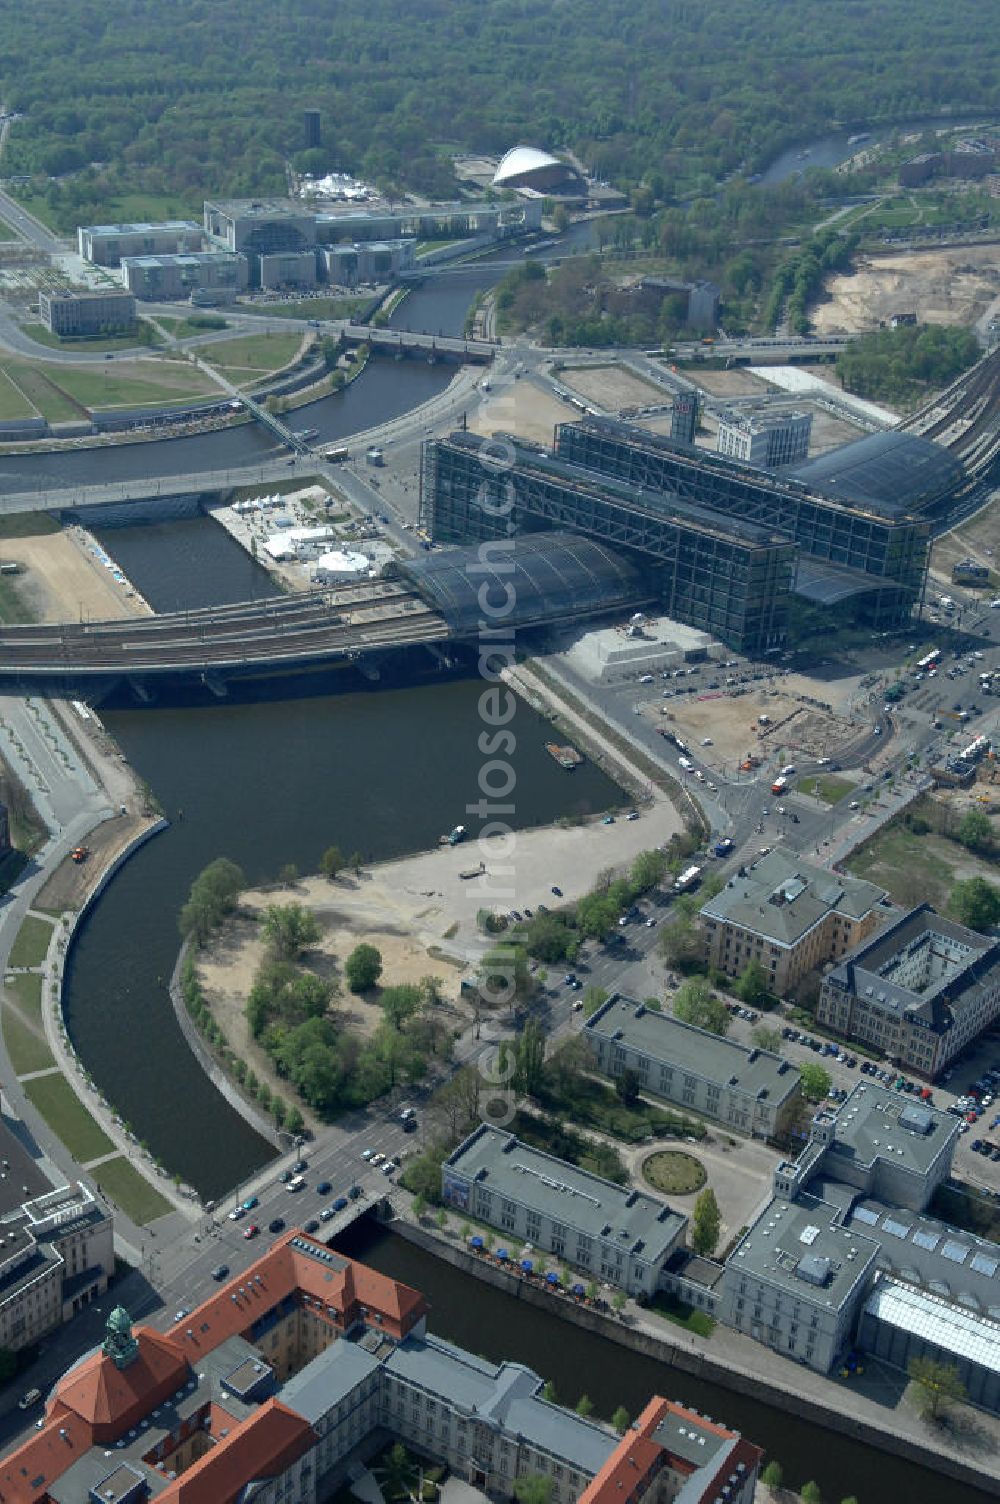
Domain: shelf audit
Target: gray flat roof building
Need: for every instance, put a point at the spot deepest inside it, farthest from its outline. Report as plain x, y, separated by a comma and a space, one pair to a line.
623, 1235
749, 1089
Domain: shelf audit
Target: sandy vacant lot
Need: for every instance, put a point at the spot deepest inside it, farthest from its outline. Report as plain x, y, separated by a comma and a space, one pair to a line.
72, 882
62, 581
523, 409
978, 539
734, 383
949, 286
612, 387
732, 724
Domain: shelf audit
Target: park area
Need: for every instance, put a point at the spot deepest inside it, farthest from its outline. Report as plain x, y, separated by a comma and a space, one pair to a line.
130, 1191
916, 864
65, 393
246, 358
674, 1172
66, 1115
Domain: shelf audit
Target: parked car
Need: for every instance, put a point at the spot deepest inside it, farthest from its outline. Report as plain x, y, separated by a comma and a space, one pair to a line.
220, 1272
252, 1231
324, 1188
276, 1224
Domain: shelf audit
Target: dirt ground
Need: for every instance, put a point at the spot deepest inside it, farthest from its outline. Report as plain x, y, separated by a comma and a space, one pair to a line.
525, 410
947, 286
612, 386
734, 383
62, 581
227, 966
978, 539
732, 724
71, 883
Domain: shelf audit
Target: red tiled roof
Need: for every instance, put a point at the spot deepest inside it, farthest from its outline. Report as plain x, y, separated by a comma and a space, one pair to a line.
26, 1474
631, 1467
266, 1445
111, 1400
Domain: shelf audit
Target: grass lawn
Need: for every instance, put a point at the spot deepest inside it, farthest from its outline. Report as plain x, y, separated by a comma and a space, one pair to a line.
43, 336
254, 352
26, 991
123, 208
825, 787
123, 1184
31, 942
203, 323
310, 308
27, 1050
689, 1317
916, 867
674, 1172
13, 402
41, 391
66, 1115
132, 385
28, 525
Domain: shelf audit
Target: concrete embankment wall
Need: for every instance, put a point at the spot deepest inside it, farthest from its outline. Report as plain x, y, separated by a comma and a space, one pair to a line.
701, 1364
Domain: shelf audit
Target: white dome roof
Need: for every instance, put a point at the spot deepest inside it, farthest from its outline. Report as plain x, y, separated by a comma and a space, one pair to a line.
522, 159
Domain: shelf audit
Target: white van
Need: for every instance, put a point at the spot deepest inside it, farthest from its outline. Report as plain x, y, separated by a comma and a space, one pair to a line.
297, 1183
685, 763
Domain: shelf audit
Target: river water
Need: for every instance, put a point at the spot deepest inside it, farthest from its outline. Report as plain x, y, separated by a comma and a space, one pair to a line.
485, 1320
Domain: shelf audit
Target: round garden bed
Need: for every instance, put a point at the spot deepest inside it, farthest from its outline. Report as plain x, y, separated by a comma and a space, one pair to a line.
673, 1172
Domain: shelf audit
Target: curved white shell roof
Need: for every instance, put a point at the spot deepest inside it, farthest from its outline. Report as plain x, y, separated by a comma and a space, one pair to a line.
521, 159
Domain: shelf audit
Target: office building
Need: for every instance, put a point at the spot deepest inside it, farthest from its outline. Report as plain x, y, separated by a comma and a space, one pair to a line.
105, 245
684, 418
260, 226
921, 990
376, 261
286, 1381
609, 1232
81, 314
157, 278
280, 269
56, 1248
765, 440
726, 576
789, 915
749, 1091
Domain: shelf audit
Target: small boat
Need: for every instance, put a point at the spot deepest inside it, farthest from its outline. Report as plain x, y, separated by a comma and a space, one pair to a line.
567, 757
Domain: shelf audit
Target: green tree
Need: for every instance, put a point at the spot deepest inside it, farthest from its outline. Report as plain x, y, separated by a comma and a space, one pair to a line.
975, 830
705, 1223
212, 897
773, 1475
397, 1474
289, 929
549, 1392
938, 1384
618, 1302
811, 1493
400, 1003
975, 902
752, 987
627, 1087
815, 1081
584, 1406
356, 861
294, 1122
331, 862
680, 941
419, 1205
504, 975
529, 1056
621, 1420
533, 1488
363, 968
289, 875
766, 1038
696, 1003
278, 1109
648, 870
441, 1219
593, 998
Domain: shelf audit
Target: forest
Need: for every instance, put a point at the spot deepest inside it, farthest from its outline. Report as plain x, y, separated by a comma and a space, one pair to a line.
669, 96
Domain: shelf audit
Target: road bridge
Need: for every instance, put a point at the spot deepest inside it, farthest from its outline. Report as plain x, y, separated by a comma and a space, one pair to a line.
408, 341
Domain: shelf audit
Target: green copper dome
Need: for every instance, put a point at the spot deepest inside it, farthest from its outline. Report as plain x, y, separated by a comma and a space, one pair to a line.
119, 1344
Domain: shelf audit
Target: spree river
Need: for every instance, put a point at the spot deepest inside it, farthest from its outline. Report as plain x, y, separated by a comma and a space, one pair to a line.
485, 1320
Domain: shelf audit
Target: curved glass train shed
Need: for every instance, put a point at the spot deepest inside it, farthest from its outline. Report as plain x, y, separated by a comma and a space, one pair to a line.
525, 581
892, 473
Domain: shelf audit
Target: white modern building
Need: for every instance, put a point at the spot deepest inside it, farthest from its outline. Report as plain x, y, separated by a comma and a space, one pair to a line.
105, 245
765, 440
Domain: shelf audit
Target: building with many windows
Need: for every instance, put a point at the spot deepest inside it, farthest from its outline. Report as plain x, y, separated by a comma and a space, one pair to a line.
789, 915
921, 990
721, 574
81, 314
56, 1255
161, 277
105, 245
750, 1091
765, 440
609, 1231
283, 1383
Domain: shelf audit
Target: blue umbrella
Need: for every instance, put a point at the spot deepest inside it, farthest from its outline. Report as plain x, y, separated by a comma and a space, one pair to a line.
553, 1279
502, 1253
476, 1242
579, 1290
527, 1265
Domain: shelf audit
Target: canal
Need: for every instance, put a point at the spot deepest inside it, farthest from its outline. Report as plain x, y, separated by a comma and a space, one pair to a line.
485, 1320
265, 782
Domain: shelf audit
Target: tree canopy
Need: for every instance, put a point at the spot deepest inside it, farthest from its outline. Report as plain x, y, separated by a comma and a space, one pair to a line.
816, 1081
697, 1004
213, 895
975, 902
363, 967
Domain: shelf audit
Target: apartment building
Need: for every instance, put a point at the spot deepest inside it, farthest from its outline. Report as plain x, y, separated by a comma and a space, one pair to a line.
921, 989
789, 915
751, 1091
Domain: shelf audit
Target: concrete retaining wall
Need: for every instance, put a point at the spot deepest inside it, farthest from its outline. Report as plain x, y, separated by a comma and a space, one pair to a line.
701, 1364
